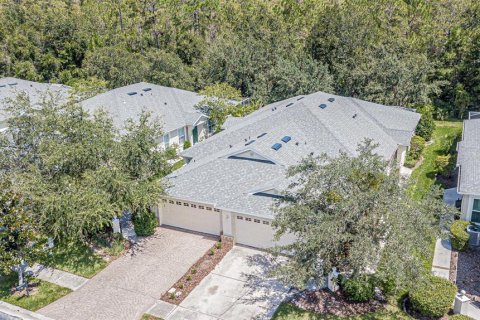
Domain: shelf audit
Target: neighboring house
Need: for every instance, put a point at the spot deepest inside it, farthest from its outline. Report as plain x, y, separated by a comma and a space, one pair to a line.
10, 88
175, 108
468, 163
233, 179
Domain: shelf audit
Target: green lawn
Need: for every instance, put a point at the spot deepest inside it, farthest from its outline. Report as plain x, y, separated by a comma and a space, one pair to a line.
443, 137
45, 293
78, 259
289, 312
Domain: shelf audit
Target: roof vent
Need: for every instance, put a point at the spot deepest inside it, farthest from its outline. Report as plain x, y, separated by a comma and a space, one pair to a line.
276, 146
300, 98
3, 86
147, 89
262, 135
323, 106
354, 116
289, 105
249, 142
331, 99
286, 139
132, 93
13, 84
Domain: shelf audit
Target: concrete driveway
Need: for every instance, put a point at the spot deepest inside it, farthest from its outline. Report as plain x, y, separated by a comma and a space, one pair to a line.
237, 289
132, 284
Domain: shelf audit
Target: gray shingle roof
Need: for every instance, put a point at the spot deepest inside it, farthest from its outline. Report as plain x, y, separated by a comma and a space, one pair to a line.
174, 107
213, 177
36, 91
469, 158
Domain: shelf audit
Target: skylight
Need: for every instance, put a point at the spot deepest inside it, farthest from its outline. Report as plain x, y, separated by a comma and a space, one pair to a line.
286, 139
323, 106
147, 89
276, 146
132, 93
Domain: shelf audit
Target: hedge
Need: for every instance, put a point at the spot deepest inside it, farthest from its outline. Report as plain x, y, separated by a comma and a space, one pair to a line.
459, 235
459, 317
144, 223
433, 298
359, 289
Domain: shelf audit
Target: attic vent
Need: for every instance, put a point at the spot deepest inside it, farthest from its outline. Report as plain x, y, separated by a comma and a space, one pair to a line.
132, 93
262, 135
300, 98
286, 139
249, 142
147, 89
13, 84
323, 106
331, 99
276, 146
289, 105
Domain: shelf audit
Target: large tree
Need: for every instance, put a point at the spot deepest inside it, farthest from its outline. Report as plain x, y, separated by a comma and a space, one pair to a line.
349, 213
77, 170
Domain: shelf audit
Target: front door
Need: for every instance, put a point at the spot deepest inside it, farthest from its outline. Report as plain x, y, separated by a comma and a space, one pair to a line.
195, 135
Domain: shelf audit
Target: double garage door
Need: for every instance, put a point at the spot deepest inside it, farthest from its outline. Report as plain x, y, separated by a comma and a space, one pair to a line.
190, 216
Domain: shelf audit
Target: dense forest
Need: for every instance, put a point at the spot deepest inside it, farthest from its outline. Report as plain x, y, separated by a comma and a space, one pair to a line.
409, 53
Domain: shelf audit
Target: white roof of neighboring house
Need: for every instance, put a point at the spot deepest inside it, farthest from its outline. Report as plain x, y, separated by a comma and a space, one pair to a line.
317, 123
175, 107
469, 158
10, 88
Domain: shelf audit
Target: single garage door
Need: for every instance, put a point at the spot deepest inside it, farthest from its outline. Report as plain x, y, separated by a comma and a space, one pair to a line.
191, 216
256, 232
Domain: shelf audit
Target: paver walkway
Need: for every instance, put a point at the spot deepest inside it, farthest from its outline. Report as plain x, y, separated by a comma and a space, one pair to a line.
441, 258
237, 289
130, 285
59, 277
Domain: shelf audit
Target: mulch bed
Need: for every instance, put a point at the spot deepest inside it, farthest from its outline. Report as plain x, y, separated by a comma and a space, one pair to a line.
334, 303
198, 271
468, 273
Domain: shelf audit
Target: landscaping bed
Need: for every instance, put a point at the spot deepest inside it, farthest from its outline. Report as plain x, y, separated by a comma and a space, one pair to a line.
468, 273
198, 271
336, 303
40, 293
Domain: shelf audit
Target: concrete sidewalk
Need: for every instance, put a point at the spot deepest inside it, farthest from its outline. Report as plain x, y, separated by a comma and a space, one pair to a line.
59, 277
10, 312
441, 258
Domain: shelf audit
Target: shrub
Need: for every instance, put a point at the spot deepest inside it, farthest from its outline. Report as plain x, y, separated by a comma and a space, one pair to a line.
459, 235
218, 245
433, 298
194, 271
416, 147
187, 144
359, 289
459, 317
189, 278
426, 125
442, 164
211, 252
144, 223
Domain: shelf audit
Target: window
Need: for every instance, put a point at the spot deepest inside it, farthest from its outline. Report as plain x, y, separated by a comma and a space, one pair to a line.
266, 222
209, 208
201, 207
179, 203
476, 211
185, 204
171, 201
181, 135
166, 140
193, 205
256, 220
248, 219
239, 217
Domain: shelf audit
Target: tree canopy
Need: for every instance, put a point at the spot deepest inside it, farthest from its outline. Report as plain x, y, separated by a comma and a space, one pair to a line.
407, 53
348, 213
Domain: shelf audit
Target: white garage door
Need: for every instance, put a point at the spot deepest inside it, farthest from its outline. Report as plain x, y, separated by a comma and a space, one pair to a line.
256, 232
191, 216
